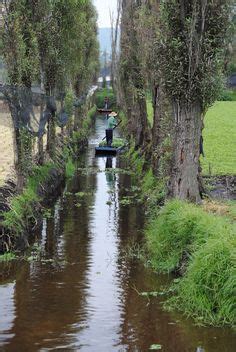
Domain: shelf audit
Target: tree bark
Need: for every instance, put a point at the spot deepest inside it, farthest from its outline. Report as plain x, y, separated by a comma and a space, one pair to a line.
185, 173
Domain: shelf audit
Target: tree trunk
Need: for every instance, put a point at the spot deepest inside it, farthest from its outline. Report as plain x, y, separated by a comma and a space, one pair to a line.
156, 129
19, 160
51, 136
161, 131
185, 173
138, 124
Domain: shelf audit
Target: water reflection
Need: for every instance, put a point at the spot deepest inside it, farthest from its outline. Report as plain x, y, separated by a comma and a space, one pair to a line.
7, 312
83, 295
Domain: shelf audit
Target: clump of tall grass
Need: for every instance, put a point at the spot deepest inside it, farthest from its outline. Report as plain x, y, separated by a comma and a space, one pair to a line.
205, 243
179, 230
207, 291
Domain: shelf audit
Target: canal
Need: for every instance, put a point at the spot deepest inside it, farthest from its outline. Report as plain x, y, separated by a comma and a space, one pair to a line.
79, 289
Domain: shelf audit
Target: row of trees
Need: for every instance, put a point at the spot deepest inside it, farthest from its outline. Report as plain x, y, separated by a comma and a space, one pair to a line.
51, 44
176, 50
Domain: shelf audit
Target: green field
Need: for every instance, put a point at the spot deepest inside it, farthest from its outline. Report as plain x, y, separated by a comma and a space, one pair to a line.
220, 139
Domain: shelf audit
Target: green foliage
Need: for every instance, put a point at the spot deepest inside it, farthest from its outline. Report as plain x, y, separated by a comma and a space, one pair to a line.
155, 347
7, 257
191, 55
135, 159
202, 245
220, 139
23, 212
150, 111
70, 168
80, 137
207, 292
228, 95
117, 143
69, 103
24, 208
101, 94
178, 231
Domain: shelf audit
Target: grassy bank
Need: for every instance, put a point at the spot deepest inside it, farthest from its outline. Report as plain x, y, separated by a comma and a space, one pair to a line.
201, 246
25, 208
220, 139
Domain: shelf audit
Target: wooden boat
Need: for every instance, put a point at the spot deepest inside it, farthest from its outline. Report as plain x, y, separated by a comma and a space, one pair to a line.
107, 150
104, 111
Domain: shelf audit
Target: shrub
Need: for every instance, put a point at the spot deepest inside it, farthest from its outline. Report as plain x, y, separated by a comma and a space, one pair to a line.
228, 95
100, 97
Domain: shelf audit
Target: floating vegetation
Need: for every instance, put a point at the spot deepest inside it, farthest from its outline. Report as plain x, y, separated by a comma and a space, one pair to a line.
68, 194
155, 347
83, 194
130, 200
47, 213
7, 257
84, 171
117, 143
126, 201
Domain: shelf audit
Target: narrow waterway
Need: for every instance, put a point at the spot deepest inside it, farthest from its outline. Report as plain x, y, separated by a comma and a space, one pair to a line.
79, 290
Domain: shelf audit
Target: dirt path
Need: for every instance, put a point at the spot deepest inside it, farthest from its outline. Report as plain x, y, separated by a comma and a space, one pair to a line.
6, 145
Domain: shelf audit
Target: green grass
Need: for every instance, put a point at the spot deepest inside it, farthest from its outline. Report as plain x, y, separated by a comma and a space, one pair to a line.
202, 245
207, 292
24, 207
220, 139
150, 111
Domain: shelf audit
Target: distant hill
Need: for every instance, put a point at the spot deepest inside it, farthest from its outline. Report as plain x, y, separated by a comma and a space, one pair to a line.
104, 36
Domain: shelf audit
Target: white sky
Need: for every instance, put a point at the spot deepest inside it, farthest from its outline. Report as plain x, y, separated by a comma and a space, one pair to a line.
103, 8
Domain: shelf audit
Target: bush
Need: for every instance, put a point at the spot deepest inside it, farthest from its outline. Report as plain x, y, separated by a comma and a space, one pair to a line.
228, 95
100, 97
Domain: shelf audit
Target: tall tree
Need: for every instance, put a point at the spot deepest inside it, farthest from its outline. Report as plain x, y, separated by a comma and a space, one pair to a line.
131, 77
20, 51
190, 55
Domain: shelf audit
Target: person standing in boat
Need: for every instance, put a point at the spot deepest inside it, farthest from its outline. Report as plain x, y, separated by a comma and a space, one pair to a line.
106, 101
111, 124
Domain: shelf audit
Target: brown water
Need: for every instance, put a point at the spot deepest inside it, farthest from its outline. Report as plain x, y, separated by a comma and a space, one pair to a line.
82, 294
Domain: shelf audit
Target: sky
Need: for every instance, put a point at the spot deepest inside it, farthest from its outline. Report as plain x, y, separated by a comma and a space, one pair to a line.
103, 8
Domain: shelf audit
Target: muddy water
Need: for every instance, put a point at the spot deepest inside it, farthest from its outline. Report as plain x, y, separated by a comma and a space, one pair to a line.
79, 290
